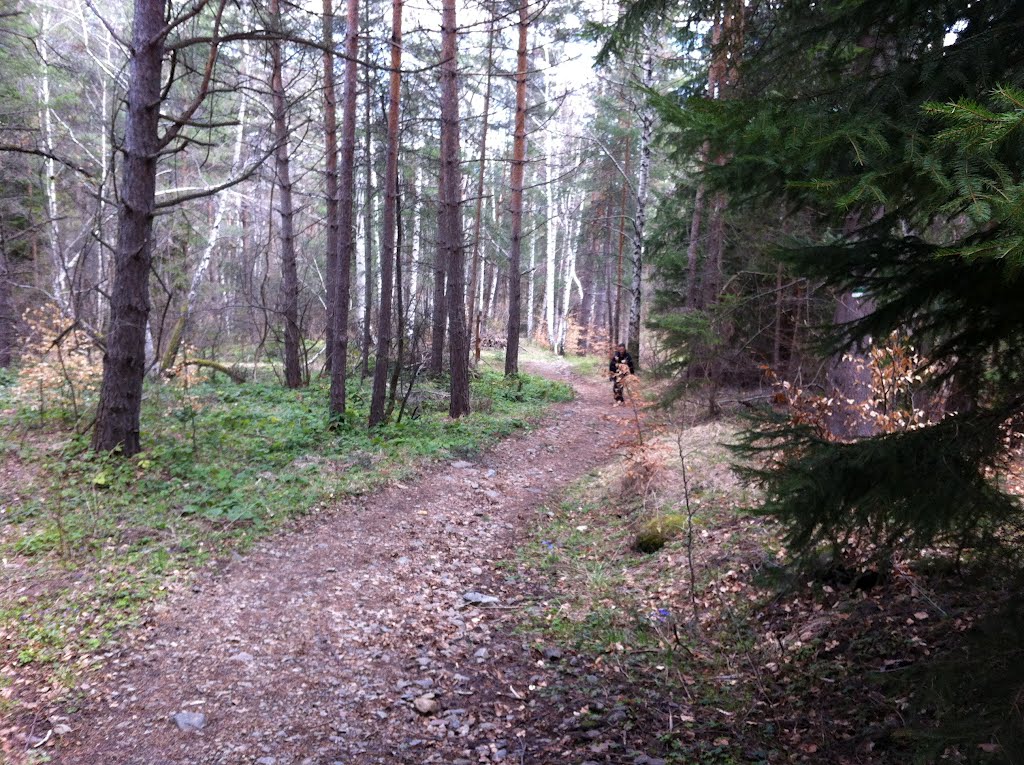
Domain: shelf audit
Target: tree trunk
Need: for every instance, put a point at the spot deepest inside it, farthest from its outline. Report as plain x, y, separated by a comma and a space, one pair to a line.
289, 270
515, 278
331, 167
224, 203
396, 371
439, 315
413, 298
693, 246
639, 220
623, 217
388, 251
364, 356
120, 401
450, 203
346, 192
6, 307
439, 310
474, 271
531, 291
61, 285
551, 226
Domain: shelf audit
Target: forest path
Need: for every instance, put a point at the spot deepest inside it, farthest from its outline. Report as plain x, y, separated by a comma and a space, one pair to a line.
316, 648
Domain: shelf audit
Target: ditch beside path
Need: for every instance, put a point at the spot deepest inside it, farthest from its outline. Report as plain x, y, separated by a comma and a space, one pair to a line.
371, 636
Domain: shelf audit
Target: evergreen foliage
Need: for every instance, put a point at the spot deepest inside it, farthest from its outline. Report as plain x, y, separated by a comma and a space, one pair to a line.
893, 130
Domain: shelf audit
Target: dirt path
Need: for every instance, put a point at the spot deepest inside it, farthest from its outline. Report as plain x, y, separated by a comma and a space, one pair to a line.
317, 648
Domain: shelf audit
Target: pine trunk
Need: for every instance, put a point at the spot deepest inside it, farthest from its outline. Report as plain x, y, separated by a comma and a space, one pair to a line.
289, 270
120, 401
346, 193
515, 279
331, 168
388, 251
364, 356
450, 199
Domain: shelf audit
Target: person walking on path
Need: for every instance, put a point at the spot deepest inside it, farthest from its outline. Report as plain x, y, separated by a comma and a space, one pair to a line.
619, 367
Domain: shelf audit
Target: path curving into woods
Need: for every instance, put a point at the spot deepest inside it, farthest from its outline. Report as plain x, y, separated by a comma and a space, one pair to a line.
317, 648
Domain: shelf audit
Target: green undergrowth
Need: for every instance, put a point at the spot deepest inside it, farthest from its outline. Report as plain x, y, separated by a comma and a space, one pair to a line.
629, 614
94, 537
758, 660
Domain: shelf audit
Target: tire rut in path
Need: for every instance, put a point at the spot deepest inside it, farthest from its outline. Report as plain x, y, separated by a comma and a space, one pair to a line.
312, 650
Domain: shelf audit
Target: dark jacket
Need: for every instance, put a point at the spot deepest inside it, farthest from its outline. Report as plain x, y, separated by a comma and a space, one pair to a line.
621, 358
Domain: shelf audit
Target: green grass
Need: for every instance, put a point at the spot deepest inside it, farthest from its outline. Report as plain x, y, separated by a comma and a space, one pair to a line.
222, 466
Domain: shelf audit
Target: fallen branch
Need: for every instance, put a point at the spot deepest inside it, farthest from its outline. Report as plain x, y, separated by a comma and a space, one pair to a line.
236, 375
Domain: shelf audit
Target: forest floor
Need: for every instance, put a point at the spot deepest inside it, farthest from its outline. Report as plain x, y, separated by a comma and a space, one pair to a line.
362, 636
495, 609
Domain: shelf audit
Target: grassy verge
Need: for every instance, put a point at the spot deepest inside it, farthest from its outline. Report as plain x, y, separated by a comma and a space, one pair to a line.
87, 540
714, 651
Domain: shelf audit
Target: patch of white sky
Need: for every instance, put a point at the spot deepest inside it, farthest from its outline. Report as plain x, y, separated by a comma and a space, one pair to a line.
571, 72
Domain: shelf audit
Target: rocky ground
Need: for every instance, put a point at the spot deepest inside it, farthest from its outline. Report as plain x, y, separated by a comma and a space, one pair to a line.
384, 632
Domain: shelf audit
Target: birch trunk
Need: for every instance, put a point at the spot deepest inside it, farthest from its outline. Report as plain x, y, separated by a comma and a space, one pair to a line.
531, 292
623, 217
413, 298
364, 359
639, 220
60, 285
474, 273
224, 203
551, 225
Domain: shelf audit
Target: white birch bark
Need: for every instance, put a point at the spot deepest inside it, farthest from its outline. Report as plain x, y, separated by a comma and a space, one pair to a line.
60, 284
360, 286
639, 221
530, 292
414, 266
570, 279
225, 203
551, 225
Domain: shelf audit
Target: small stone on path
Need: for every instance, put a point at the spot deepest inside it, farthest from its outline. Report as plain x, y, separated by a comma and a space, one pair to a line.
426, 704
189, 720
479, 598
461, 465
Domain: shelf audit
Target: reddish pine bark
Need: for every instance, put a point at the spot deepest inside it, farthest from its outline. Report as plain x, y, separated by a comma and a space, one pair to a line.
450, 203
518, 169
388, 251
346, 240
289, 270
331, 167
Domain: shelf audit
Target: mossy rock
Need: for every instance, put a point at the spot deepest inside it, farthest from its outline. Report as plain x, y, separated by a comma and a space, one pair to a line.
658, 531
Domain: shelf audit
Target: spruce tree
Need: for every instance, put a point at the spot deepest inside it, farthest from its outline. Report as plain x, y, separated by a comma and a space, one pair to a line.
893, 131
